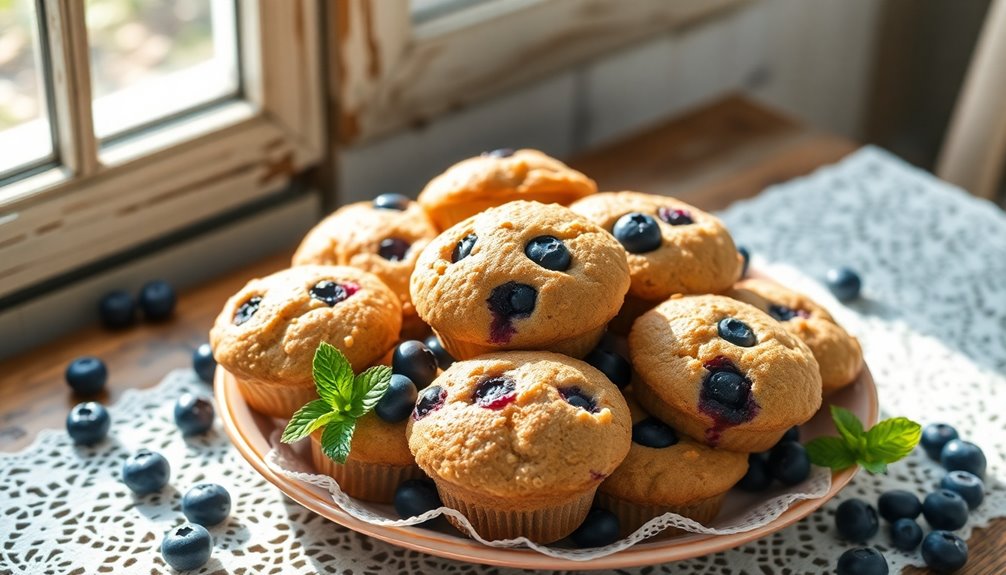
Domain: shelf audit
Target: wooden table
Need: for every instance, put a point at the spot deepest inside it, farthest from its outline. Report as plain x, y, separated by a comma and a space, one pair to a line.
726, 151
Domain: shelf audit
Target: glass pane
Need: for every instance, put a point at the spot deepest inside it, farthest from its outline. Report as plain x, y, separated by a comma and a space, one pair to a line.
151, 59
25, 135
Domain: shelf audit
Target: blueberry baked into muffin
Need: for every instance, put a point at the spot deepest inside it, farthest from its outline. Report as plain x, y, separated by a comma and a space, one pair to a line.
495, 178
723, 372
837, 352
524, 276
383, 237
518, 442
267, 333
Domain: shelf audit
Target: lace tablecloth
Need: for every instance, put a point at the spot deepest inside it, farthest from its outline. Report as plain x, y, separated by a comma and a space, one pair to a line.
932, 322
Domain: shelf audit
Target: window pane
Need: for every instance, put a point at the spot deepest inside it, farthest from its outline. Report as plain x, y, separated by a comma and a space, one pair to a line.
151, 59
25, 135
423, 10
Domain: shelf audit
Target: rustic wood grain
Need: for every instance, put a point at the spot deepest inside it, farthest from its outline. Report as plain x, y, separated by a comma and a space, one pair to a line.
724, 152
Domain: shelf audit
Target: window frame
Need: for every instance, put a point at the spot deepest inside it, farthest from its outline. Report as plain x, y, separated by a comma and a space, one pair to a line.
74, 213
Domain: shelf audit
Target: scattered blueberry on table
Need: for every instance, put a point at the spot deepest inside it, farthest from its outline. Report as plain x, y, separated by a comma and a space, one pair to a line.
117, 309
638, 233
959, 455
788, 463
906, 534
415, 497
203, 362
967, 485
187, 547
88, 423
415, 361
856, 520
844, 283
898, 504
862, 561
757, 477
934, 437
945, 510
193, 414
599, 528
944, 552
146, 472
397, 402
157, 300
87, 375
444, 359
206, 504
615, 367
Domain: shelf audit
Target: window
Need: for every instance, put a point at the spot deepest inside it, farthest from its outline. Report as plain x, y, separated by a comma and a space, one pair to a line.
124, 120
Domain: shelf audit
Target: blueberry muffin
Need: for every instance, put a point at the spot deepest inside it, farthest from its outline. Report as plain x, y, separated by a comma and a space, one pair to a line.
383, 237
723, 372
668, 472
495, 178
268, 332
837, 353
519, 441
524, 276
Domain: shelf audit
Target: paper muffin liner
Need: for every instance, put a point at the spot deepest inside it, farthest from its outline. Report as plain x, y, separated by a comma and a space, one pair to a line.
275, 399
731, 439
632, 516
491, 518
576, 346
367, 481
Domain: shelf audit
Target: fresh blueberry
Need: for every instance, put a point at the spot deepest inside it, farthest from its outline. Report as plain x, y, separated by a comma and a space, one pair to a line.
331, 293
203, 362
856, 520
430, 399
958, 455
614, 366
415, 497
146, 472
862, 561
906, 534
788, 462
392, 202
967, 485
444, 359
398, 401
899, 504
736, 332
393, 249
187, 547
599, 528
500, 153
513, 300
206, 504
88, 423
415, 361
844, 283
117, 309
157, 300
725, 393
549, 252
193, 414
935, 436
675, 217
247, 309
784, 313
86, 375
495, 392
651, 432
746, 256
577, 398
758, 477
638, 233
463, 248
944, 552
792, 434
945, 509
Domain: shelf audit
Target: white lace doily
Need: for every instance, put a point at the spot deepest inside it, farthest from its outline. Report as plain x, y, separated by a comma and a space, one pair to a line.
932, 323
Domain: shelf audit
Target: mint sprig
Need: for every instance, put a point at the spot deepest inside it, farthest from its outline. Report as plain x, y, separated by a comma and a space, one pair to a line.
883, 444
345, 397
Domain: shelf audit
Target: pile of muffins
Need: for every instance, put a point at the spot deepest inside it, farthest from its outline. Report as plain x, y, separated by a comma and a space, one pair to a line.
594, 348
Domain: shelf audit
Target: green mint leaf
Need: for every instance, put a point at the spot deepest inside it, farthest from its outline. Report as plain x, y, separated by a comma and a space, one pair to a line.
338, 438
333, 376
831, 452
308, 418
848, 426
873, 467
368, 388
891, 440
